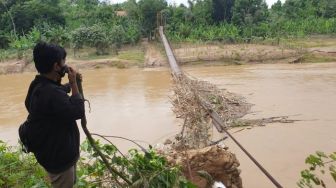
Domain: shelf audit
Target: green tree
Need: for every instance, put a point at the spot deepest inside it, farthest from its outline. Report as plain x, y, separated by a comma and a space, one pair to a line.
132, 9
149, 10
117, 37
249, 12
222, 10
25, 42
29, 13
277, 7
94, 36
295, 9
202, 11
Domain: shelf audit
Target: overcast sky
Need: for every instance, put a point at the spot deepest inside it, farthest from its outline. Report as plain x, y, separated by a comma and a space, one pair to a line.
269, 2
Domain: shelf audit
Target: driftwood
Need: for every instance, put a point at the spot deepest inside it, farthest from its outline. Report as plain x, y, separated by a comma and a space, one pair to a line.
192, 101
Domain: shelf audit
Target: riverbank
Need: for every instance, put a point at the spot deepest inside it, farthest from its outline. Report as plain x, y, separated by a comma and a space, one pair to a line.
309, 50
129, 102
314, 49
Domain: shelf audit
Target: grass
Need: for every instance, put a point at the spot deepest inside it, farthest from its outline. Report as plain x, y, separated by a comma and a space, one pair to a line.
132, 55
88, 54
314, 58
8, 54
310, 42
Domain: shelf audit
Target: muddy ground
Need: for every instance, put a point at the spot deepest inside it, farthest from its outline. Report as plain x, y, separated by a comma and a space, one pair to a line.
314, 50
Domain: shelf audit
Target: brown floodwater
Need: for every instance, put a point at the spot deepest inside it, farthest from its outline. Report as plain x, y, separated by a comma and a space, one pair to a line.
134, 103
131, 103
304, 92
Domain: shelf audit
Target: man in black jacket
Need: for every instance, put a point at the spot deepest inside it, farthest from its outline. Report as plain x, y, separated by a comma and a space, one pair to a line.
53, 133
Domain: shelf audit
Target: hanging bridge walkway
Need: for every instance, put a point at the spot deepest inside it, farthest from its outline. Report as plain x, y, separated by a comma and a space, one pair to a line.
216, 119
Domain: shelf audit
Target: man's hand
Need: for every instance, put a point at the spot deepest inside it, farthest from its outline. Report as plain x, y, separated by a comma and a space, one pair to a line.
72, 76
72, 80
79, 76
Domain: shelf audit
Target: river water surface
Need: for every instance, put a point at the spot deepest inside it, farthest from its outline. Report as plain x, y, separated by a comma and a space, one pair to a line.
304, 92
134, 103
131, 103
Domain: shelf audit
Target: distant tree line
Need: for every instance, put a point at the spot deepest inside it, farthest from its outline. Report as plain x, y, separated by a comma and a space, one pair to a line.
234, 20
93, 23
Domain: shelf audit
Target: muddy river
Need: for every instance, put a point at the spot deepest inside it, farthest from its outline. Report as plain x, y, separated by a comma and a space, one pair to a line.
134, 103
131, 103
305, 92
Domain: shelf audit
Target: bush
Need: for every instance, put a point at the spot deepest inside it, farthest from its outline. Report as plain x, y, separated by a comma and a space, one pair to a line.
318, 163
19, 169
55, 34
94, 36
144, 170
23, 43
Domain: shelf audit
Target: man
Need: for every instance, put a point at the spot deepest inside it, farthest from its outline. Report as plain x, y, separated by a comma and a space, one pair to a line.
53, 133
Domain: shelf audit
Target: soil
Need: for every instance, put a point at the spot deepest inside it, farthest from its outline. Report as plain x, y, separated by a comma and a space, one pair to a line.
14, 66
205, 166
186, 53
153, 56
236, 52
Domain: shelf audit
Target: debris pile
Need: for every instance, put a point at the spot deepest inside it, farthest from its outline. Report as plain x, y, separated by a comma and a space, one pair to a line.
202, 161
190, 97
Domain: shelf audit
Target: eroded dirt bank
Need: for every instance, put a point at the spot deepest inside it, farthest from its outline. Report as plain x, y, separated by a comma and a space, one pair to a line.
236, 52
153, 56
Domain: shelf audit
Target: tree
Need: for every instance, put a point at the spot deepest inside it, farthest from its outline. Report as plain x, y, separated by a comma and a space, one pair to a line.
276, 12
149, 10
132, 9
222, 10
295, 9
30, 13
202, 11
249, 12
277, 7
25, 42
117, 37
94, 36
330, 11
102, 14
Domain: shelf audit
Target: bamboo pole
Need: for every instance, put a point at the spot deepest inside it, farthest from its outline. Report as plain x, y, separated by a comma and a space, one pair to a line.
111, 169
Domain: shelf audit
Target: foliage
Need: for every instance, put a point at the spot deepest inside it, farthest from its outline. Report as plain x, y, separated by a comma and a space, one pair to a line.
247, 13
148, 10
95, 23
25, 42
222, 10
19, 169
117, 36
94, 36
26, 14
202, 12
104, 37
57, 34
144, 170
317, 163
132, 33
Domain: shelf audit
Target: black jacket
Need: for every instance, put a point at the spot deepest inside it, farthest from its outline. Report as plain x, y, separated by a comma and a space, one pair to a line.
53, 132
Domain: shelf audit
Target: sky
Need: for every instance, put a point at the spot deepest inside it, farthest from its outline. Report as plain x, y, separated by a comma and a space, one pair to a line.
269, 2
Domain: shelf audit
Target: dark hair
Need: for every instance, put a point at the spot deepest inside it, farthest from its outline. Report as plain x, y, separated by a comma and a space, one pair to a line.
46, 55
